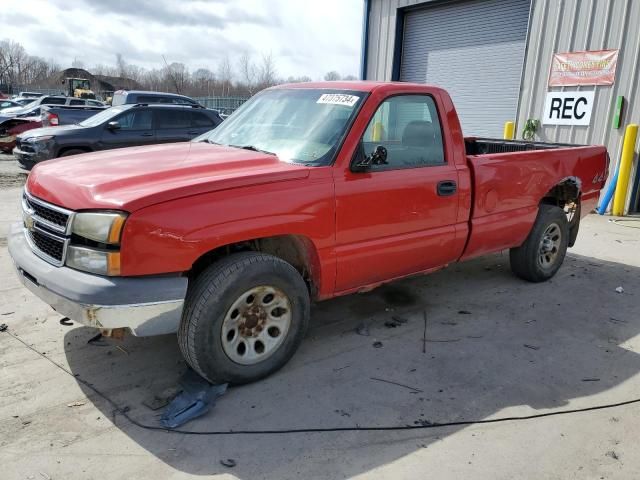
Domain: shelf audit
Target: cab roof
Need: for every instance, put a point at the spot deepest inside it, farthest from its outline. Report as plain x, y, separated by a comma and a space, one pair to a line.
358, 85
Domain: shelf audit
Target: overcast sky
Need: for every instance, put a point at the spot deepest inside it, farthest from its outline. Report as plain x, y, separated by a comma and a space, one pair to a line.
306, 37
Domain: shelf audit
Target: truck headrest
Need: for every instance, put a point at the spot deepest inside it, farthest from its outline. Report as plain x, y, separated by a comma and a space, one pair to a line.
418, 133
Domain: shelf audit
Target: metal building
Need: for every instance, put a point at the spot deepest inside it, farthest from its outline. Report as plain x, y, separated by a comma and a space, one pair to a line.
494, 57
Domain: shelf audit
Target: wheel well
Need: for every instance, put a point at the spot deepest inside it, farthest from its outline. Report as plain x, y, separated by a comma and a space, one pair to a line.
66, 149
296, 250
568, 190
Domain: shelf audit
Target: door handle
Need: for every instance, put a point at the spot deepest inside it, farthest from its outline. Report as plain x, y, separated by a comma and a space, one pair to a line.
193, 132
446, 188
148, 134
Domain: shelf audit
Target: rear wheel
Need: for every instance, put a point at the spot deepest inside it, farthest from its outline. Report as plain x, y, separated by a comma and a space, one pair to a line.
244, 318
541, 255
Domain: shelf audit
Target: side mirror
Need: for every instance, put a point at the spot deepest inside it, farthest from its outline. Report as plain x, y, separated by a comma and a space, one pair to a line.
378, 157
113, 125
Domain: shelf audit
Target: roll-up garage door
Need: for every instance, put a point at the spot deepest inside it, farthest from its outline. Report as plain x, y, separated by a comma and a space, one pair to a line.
473, 49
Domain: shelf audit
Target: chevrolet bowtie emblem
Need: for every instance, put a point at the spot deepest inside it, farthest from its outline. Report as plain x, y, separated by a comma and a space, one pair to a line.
29, 223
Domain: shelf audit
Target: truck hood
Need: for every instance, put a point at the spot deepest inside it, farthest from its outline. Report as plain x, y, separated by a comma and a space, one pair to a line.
132, 178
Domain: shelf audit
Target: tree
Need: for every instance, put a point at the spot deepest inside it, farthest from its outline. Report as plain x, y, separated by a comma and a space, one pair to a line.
176, 75
121, 65
204, 81
225, 73
248, 72
332, 76
349, 77
77, 63
267, 71
302, 79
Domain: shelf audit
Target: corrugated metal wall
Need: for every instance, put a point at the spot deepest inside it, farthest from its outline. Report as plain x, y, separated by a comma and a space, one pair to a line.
475, 49
555, 26
575, 25
382, 31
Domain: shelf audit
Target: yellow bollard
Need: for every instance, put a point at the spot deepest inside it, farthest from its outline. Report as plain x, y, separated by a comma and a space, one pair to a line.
509, 130
626, 160
378, 132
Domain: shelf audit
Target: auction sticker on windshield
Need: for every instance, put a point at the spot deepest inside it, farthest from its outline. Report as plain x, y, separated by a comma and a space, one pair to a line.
338, 99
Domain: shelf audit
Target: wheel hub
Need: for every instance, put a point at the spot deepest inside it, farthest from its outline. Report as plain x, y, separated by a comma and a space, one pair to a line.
550, 245
256, 324
254, 319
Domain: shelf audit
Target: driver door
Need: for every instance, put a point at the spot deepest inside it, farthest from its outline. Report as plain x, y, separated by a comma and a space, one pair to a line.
397, 218
135, 127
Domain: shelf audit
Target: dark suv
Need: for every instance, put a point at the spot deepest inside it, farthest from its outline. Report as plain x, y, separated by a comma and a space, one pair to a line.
116, 127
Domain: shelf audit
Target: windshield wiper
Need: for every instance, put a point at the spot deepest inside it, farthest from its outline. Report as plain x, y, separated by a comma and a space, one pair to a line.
252, 148
210, 141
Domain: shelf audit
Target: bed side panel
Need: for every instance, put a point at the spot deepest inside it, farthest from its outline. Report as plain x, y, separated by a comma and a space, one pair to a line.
508, 188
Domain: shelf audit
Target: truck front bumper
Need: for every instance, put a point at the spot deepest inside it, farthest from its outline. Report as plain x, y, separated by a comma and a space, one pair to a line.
150, 305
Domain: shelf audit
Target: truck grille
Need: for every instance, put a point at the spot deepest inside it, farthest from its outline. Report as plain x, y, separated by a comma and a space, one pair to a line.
47, 228
54, 217
48, 245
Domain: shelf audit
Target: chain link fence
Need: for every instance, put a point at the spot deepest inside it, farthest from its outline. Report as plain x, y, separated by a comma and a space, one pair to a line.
224, 105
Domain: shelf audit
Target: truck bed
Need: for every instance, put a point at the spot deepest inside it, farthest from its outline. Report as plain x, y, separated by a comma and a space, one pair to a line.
68, 114
510, 178
482, 146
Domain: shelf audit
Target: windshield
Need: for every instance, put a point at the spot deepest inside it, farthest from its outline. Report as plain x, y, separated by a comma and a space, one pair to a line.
299, 125
103, 116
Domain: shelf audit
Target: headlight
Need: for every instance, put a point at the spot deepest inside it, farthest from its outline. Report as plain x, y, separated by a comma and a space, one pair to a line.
37, 139
102, 262
100, 227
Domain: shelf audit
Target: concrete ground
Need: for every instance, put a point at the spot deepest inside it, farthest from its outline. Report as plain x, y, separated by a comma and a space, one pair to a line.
497, 347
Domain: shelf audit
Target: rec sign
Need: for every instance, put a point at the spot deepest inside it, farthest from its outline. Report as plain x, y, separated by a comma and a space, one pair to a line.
568, 108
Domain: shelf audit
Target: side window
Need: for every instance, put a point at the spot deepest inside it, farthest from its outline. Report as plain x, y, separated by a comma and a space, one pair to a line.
76, 102
53, 101
135, 120
199, 119
148, 99
94, 103
172, 118
408, 127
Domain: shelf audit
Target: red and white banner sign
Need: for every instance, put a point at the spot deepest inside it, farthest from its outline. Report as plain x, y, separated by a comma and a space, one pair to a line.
583, 68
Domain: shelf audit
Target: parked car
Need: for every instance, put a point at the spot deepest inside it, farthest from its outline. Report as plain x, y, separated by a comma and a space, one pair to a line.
13, 127
116, 127
8, 104
50, 116
308, 191
53, 116
22, 100
122, 97
34, 108
30, 95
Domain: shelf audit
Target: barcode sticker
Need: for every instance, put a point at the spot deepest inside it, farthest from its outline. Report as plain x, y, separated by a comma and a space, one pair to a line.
338, 99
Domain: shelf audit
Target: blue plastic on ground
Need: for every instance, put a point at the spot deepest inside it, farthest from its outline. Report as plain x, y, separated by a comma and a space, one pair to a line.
606, 198
196, 398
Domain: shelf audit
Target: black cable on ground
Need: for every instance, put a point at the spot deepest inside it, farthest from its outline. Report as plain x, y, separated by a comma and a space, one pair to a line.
124, 412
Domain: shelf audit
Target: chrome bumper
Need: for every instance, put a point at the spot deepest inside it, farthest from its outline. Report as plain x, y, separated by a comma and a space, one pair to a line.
146, 305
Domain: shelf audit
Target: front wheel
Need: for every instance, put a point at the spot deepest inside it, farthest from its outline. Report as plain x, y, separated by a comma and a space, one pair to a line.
541, 255
244, 318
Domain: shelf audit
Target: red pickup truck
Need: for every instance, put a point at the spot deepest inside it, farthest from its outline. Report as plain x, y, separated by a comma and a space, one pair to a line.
307, 192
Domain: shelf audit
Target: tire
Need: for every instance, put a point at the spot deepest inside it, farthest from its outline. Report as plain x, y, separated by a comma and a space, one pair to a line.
541, 255
218, 317
73, 151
